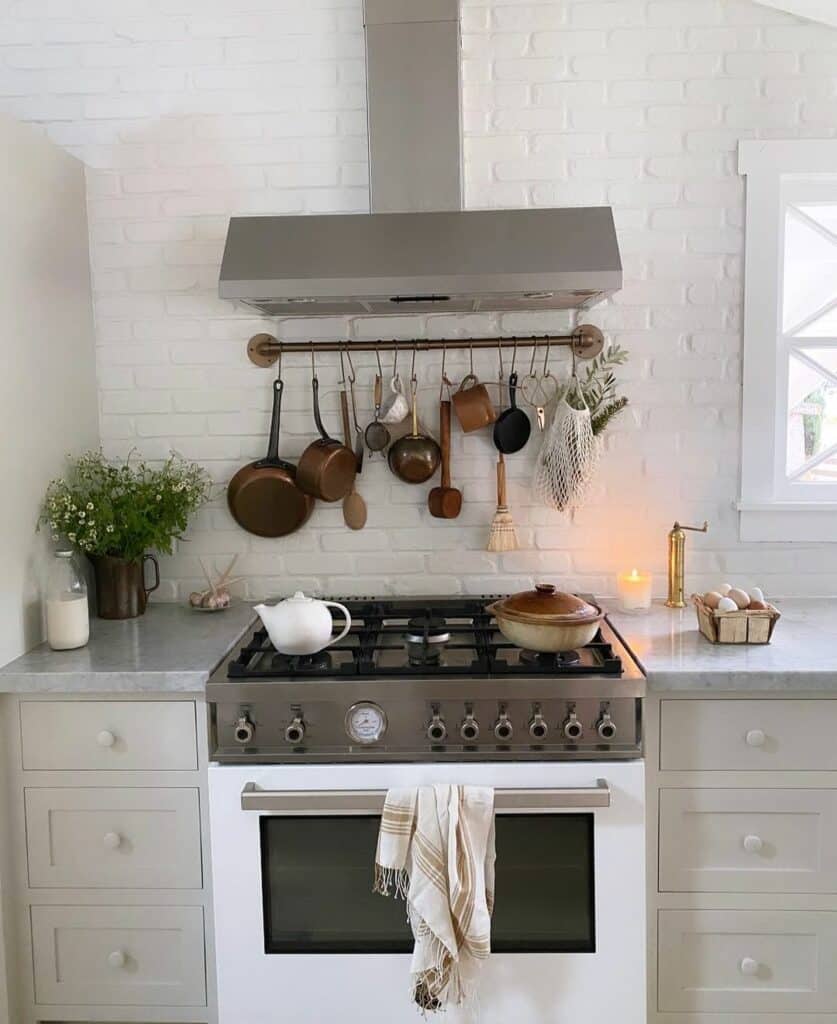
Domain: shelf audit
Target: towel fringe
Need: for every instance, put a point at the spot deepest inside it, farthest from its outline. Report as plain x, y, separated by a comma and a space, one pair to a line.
396, 880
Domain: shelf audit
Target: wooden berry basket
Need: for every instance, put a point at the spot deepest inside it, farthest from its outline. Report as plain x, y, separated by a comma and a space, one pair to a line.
741, 627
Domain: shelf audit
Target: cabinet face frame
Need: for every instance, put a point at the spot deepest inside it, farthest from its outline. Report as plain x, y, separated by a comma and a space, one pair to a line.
22, 897
657, 778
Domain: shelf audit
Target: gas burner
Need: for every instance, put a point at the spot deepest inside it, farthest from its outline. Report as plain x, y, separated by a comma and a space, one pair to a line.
427, 630
563, 659
301, 662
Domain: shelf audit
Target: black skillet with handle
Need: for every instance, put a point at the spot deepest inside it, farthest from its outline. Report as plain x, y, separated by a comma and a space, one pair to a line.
512, 427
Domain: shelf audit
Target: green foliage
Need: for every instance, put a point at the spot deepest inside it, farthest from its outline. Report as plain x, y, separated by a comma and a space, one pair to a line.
606, 413
124, 508
598, 386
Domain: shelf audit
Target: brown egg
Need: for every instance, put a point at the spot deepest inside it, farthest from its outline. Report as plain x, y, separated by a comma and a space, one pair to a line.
741, 597
712, 599
758, 606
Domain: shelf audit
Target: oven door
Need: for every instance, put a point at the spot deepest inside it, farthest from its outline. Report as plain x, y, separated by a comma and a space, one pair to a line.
301, 937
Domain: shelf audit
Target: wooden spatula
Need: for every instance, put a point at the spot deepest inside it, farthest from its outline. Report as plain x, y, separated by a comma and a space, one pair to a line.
445, 502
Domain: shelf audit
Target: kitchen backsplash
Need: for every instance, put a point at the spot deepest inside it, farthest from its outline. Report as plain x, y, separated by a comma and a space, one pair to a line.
188, 111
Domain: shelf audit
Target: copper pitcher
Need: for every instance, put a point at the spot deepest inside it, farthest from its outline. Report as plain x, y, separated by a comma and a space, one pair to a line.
121, 592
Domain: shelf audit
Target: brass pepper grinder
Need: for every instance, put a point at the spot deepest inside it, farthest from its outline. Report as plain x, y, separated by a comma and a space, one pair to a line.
677, 563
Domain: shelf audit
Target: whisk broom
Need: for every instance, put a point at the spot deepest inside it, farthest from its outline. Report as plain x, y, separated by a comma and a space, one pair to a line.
502, 536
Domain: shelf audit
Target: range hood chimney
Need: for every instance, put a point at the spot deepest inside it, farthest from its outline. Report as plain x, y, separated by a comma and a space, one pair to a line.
413, 91
418, 251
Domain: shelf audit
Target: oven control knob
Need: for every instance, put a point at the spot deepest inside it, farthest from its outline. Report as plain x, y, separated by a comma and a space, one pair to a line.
437, 731
470, 729
244, 730
295, 732
538, 727
573, 729
606, 727
503, 729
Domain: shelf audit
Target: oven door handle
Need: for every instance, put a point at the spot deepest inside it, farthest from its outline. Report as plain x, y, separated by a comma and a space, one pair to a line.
325, 802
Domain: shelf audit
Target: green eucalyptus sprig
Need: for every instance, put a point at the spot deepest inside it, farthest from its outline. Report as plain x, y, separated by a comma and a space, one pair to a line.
598, 385
124, 508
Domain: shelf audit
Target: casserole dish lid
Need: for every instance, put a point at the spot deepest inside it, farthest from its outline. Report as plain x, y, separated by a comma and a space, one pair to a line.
545, 605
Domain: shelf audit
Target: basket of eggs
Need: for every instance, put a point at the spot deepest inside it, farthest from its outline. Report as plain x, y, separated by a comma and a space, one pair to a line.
731, 615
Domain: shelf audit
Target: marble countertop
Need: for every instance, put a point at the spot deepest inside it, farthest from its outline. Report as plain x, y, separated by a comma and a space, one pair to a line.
169, 649
802, 655
174, 649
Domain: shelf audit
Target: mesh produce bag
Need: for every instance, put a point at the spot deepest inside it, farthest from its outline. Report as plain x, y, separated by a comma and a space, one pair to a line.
567, 459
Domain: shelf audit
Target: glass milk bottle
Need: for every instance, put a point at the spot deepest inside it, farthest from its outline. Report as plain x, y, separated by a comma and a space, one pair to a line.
67, 618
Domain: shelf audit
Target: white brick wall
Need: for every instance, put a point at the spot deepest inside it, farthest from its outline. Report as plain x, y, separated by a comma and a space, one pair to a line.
188, 111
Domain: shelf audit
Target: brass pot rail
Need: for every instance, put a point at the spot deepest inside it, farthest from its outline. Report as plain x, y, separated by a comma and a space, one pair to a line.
586, 342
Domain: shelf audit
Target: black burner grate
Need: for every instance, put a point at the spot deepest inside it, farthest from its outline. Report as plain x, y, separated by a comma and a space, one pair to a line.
377, 645
401, 637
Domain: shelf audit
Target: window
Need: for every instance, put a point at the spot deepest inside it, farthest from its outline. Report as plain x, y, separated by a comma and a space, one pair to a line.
789, 449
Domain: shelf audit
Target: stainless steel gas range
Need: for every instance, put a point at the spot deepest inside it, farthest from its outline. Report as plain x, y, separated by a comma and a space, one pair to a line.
426, 680
426, 690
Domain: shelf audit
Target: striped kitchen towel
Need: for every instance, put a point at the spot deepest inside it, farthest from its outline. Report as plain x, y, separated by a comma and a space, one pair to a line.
436, 850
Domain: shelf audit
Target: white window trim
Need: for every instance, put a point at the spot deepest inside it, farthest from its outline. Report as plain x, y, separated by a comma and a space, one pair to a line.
815, 10
766, 514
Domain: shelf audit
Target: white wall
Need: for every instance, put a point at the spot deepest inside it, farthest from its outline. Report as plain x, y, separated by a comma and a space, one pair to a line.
48, 400
187, 111
48, 383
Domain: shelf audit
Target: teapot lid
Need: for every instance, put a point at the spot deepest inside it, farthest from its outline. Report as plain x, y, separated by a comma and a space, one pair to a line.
299, 598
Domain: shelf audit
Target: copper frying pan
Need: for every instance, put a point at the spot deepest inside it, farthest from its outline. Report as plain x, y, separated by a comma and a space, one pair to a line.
263, 496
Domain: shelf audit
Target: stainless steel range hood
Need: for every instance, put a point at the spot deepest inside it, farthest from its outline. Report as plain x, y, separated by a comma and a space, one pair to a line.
403, 258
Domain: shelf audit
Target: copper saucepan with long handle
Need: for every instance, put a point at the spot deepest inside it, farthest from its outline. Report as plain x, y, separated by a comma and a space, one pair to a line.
263, 496
327, 467
415, 457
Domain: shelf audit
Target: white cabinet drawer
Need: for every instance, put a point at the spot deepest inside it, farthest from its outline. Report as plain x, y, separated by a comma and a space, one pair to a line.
748, 840
747, 961
113, 838
748, 735
109, 735
119, 956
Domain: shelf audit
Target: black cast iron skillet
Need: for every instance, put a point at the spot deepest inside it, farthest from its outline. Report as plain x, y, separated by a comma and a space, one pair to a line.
512, 428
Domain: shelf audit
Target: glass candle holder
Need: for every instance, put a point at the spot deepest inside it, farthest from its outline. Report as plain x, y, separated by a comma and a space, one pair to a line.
634, 591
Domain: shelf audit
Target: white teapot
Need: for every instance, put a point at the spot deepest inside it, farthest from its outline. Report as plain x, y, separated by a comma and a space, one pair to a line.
300, 624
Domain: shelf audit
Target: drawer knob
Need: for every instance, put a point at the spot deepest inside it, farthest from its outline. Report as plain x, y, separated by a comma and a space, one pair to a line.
112, 840
749, 967
755, 738
753, 844
106, 738
116, 959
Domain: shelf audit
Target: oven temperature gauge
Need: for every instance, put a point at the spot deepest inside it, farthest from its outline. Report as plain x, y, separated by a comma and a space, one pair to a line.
365, 722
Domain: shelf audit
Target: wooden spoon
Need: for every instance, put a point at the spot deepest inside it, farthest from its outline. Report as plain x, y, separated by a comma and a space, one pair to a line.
445, 502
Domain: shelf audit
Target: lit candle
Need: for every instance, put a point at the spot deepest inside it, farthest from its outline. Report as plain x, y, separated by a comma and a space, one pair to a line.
634, 589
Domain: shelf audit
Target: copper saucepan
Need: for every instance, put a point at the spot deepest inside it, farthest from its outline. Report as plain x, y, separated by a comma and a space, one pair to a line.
415, 457
326, 468
263, 496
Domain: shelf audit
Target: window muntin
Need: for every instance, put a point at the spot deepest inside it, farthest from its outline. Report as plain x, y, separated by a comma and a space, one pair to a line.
806, 463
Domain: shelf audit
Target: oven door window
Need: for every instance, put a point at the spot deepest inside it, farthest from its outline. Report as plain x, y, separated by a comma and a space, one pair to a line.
317, 887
